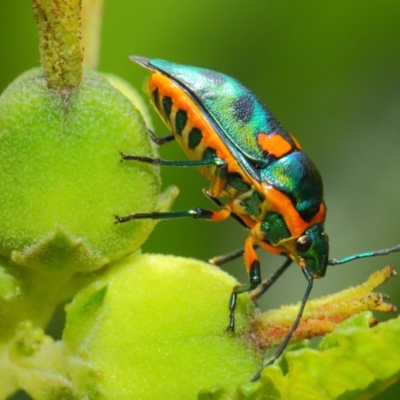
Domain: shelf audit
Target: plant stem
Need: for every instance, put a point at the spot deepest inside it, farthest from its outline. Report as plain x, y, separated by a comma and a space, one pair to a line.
60, 46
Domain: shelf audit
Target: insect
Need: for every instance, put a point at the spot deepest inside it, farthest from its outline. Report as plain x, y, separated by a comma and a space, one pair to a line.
257, 171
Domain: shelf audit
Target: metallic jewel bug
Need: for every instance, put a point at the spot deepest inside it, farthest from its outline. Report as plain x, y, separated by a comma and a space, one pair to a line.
266, 182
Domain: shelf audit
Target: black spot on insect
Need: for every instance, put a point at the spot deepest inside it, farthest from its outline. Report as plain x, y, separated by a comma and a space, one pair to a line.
180, 121
156, 98
215, 78
209, 153
243, 108
194, 138
274, 124
167, 105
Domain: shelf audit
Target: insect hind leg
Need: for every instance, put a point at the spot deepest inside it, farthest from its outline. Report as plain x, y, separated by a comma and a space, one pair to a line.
160, 140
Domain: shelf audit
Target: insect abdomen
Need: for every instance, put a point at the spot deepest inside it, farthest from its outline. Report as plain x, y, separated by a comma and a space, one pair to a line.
188, 124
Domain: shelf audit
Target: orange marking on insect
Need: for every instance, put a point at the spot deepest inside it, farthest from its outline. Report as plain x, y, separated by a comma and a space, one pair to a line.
269, 247
281, 203
181, 100
221, 215
244, 217
296, 143
250, 255
274, 144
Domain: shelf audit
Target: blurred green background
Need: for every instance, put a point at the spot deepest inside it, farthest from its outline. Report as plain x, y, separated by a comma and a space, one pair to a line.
330, 71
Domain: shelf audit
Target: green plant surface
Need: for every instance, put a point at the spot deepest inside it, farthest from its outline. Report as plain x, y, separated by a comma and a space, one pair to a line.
353, 362
154, 327
53, 223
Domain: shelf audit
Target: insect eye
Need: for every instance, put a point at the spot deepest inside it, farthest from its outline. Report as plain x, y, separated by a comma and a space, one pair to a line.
303, 243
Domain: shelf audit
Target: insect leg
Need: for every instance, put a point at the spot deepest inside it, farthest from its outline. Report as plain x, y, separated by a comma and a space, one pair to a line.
233, 215
218, 180
267, 283
286, 341
173, 163
221, 260
197, 213
253, 268
160, 140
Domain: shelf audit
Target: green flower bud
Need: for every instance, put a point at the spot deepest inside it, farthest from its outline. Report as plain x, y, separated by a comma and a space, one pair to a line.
154, 327
61, 177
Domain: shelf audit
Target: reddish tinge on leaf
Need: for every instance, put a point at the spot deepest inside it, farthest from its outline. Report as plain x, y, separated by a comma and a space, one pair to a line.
322, 315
